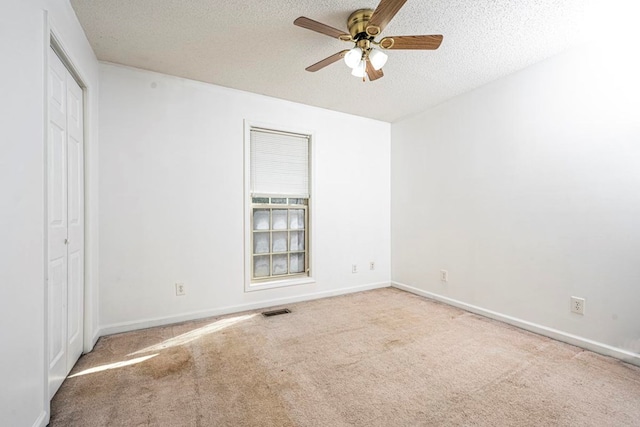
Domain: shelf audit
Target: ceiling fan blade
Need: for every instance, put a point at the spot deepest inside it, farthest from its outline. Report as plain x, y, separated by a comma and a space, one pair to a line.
327, 61
411, 42
372, 73
319, 27
383, 14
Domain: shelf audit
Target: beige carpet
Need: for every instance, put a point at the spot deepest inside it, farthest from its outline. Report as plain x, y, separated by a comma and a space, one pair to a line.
377, 358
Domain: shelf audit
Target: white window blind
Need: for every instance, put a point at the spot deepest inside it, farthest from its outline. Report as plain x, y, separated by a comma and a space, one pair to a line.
279, 164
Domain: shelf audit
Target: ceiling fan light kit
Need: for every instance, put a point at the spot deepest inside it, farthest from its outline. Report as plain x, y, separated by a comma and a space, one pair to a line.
353, 57
364, 26
378, 58
360, 69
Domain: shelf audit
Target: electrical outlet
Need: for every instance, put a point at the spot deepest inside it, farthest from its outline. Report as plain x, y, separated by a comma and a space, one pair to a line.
372, 265
444, 275
180, 289
577, 305
354, 268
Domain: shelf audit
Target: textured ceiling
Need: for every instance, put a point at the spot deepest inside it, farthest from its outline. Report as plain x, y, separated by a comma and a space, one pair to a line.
254, 46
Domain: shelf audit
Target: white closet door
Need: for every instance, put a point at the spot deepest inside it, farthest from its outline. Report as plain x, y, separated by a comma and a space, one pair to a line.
75, 222
57, 219
65, 220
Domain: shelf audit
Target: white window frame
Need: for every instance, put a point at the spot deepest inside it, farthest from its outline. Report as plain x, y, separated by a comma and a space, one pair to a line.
249, 284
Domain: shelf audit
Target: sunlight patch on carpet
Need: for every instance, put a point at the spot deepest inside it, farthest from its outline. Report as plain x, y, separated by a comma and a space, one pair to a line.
195, 334
113, 366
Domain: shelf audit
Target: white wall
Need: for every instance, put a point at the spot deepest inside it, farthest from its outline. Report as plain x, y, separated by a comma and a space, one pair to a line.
527, 191
23, 49
171, 198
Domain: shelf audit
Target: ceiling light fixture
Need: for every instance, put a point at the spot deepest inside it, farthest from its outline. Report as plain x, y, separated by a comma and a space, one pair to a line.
357, 58
377, 58
363, 58
360, 69
366, 58
353, 57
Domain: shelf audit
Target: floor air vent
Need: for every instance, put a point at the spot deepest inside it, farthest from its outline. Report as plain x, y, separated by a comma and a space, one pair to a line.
276, 312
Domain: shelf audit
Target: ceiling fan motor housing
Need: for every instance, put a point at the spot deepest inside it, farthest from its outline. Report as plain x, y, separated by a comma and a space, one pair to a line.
358, 22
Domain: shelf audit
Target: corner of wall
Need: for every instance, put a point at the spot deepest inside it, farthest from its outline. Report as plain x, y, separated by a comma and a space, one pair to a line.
596, 347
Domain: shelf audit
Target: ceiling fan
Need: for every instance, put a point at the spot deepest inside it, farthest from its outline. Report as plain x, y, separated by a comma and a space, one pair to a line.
364, 26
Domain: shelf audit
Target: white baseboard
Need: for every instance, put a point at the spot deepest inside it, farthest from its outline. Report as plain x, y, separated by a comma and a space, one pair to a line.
42, 420
117, 328
596, 347
96, 336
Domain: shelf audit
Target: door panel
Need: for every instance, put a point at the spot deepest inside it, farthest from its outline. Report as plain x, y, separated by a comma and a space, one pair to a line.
75, 221
57, 181
57, 312
57, 221
74, 298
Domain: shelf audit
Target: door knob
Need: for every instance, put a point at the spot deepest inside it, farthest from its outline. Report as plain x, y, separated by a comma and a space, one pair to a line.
66, 241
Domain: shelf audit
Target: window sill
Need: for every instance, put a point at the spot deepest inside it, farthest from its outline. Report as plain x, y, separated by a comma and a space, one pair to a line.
279, 283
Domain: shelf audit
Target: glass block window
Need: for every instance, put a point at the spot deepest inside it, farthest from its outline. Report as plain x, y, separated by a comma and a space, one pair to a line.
279, 237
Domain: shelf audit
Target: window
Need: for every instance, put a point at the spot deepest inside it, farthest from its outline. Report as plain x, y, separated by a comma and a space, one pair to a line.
278, 249
279, 237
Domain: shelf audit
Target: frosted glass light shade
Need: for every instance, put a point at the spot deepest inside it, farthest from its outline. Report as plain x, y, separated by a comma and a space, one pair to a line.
377, 58
359, 70
353, 57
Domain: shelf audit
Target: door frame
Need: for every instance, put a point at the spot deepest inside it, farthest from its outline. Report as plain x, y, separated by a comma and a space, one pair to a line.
55, 40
